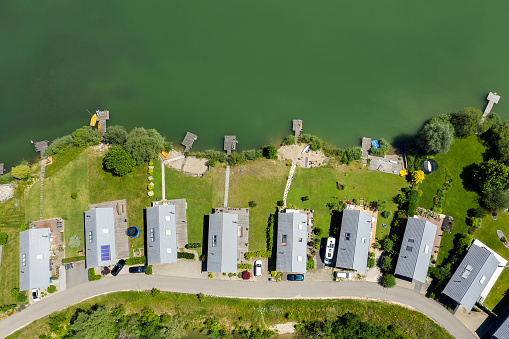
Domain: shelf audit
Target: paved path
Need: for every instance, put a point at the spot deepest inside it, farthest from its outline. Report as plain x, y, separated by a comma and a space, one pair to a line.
227, 184
239, 289
289, 183
163, 185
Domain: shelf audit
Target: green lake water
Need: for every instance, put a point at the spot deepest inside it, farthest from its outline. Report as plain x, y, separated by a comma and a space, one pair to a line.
347, 68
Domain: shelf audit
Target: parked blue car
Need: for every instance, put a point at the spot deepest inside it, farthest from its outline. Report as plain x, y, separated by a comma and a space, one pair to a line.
295, 277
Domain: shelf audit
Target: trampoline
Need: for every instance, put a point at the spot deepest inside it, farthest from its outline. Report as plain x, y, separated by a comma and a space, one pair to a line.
429, 166
133, 231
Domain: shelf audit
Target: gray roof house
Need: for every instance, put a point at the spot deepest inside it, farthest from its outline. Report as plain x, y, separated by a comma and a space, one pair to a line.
161, 234
353, 245
502, 331
34, 267
291, 241
472, 276
222, 242
416, 248
100, 237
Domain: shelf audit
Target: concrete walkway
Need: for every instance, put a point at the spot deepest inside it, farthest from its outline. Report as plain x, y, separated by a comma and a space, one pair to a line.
289, 183
163, 184
227, 184
238, 289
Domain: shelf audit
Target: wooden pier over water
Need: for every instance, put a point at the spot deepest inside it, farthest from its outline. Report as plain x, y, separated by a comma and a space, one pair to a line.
102, 117
41, 146
2, 168
188, 141
297, 128
230, 143
492, 98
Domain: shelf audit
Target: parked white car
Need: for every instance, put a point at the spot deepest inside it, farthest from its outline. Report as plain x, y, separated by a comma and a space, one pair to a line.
36, 294
258, 268
342, 275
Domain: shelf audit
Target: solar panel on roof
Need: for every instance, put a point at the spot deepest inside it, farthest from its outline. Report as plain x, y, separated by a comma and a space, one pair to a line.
105, 253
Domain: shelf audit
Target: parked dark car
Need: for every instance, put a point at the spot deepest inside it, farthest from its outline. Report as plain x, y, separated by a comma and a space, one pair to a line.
118, 267
295, 277
137, 269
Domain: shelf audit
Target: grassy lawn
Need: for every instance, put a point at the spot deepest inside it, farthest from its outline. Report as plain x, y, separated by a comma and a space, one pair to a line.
60, 160
488, 235
262, 181
200, 195
11, 219
104, 186
413, 323
57, 202
319, 184
457, 199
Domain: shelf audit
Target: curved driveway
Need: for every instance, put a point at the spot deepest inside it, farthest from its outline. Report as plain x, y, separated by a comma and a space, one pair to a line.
237, 289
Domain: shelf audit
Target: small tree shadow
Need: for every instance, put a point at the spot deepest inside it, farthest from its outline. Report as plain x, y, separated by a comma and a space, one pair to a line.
467, 178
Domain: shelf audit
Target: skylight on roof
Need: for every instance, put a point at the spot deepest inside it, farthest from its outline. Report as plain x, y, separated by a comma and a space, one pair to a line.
426, 249
411, 240
409, 248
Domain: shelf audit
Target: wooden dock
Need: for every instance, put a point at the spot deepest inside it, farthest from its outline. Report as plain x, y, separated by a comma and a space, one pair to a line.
102, 117
41, 146
230, 143
2, 168
188, 141
492, 98
297, 128
366, 146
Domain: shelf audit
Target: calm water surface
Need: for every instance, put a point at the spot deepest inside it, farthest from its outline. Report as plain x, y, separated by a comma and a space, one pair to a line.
349, 69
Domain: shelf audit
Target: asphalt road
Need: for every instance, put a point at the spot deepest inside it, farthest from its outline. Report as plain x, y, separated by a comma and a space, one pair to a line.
237, 289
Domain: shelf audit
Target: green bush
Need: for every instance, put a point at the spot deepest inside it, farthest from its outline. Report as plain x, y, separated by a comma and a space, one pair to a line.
269, 151
193, 245
149, 270
185, 255
310, 264
52, 289
288, 140
74, 195
252, 204
154, 292
388, 280
371, 262
15, 292
7, 307
244, 266
3, 238
386, 214
136, 261
92, 276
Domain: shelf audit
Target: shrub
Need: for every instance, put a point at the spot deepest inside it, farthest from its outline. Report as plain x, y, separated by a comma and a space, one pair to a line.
386, 214
74, 195
385, 146
371, 262
280, 203
116, 135
246, 275
52, 289
304, 198
15, 292
269, 151
270, 233
388, 280
92, 276
244, 266
58, 145
74, 241
86, 136
211, 275
310, 264
3, 238
118, 161
186, 255
252, 203
154, 292
289, 140
136, 261
21, 171
388, 244
193, 245
148, 271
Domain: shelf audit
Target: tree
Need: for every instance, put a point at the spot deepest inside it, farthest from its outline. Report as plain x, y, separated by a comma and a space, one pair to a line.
252, 203
304, 198
116, 135
385, 146
269, 151
381, 205
478, 212
499, 140
86, 136
491, 175
58, 145
288, 140
118, 161
495, 200
418, 176
144, 145
386, 214
74, 241
388, 244
96, 324
21, 171
435, 138
388, 280
466, 122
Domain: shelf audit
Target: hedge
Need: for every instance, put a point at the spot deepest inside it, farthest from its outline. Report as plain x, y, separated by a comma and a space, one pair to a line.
136, 261
149, 270
72, 259
185, 255
261, 254
7, 307
193, 245
244, 266
92, 276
